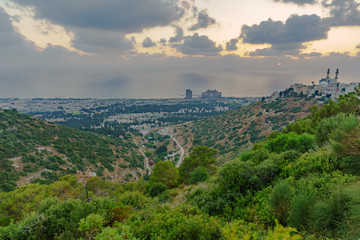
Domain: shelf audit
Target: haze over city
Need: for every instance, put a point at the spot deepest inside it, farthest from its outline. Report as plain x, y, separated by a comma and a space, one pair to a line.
159, 48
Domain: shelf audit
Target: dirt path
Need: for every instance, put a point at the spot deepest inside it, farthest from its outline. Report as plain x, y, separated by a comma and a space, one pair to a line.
135, 175
146, 159
116, 170
169, 131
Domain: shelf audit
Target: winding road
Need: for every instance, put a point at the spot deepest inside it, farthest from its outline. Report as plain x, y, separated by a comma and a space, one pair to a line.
147, 166
169, 131
146, 159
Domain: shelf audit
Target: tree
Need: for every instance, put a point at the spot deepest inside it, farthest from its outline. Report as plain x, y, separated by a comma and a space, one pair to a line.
346, 138
327, 126
91, 225
200, 174
156, 189
166, 173
200, 157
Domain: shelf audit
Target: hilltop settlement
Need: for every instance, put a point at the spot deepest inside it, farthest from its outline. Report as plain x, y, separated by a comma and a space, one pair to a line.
327, 87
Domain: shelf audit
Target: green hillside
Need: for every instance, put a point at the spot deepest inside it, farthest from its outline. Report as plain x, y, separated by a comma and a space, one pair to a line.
33, 150
301, 183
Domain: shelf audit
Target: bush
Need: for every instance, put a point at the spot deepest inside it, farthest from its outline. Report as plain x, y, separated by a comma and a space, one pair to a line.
322, 161
291, 141
166, 173
241, 177
280, 200
199, 157
134, 199
327, 126
200, 174
351, 165
346, 138
167, 223
330, 216
156, 189
91, 225
301, 208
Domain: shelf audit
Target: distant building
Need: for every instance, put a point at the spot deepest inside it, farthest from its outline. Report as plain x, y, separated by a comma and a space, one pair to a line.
327, 87
211, 94
188, 94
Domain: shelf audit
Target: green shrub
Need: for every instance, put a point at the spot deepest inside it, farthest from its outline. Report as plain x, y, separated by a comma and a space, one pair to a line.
280, 201
166, 173
135, 199
327, 126
156, 189
301, 207
351, 165
291, 141
199, 157
330, 215
200, 174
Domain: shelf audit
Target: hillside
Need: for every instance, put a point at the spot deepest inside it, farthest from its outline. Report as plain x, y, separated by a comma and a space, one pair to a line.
235, 130
34, 150
302, 183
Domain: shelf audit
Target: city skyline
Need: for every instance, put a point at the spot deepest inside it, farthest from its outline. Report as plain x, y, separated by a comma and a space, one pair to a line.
158, 48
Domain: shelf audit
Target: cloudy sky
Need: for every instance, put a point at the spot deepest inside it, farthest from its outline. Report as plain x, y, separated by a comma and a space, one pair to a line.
158, 48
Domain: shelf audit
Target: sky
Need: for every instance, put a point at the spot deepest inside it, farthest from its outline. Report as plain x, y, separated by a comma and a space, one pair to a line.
159, 48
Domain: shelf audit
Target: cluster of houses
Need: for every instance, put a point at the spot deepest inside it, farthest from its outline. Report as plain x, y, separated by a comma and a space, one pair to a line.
327, 87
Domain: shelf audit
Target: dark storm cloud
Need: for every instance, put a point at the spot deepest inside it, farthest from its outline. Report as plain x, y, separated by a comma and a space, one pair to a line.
127, 16
231, 45
312, 54
179, 35
203, 20
286, 38
338, 54
198, 45
11, 42
102, 42
163, 42
5, 23
298, 2
296, 29
148, 43
343, 12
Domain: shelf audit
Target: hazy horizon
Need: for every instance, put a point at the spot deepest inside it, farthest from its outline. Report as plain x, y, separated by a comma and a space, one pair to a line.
159, 48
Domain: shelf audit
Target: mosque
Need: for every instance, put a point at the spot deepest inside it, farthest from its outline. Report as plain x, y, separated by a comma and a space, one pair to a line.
328, 87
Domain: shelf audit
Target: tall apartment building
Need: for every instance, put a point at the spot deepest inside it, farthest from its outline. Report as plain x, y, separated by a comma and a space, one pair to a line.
188, 94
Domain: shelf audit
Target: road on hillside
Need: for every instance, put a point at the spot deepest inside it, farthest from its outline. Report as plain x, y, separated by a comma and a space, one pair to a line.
169, 131
146, 159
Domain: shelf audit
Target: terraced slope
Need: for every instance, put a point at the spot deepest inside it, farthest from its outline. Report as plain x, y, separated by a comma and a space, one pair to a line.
34, 150
236, 130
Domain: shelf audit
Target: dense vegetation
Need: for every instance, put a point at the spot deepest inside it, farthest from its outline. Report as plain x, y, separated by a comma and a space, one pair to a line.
300, 183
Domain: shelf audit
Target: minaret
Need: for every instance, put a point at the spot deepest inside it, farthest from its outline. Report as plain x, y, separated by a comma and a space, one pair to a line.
328, 73
337, 74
